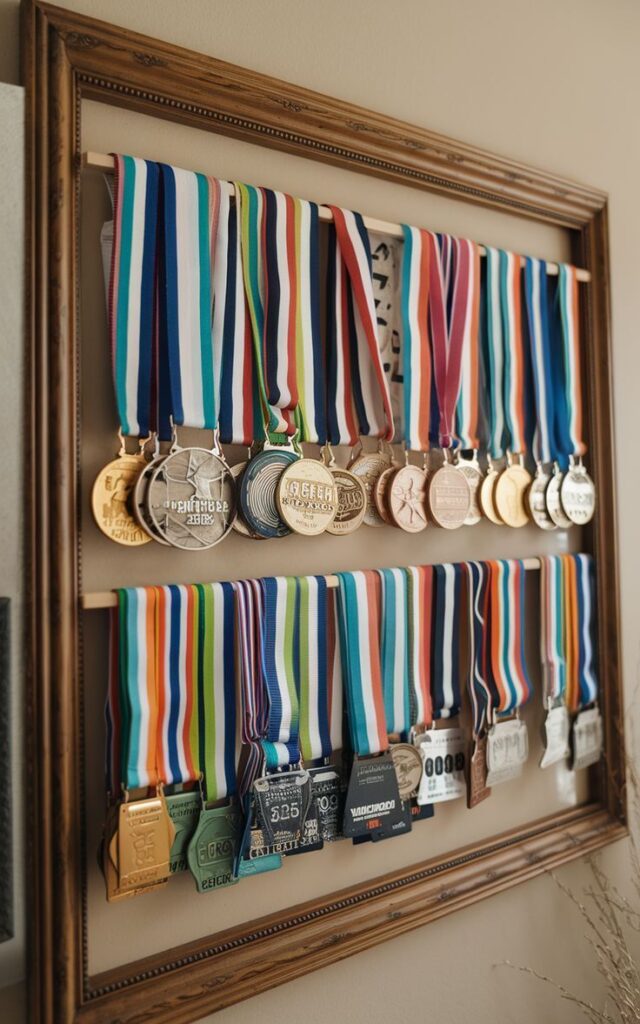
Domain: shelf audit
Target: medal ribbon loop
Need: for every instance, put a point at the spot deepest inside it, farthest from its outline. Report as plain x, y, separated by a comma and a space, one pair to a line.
509, 680
514, 351
419, 612
416, 350
552, 628
586, 603
567, 299
479, 692
320, 682
216, 689
249, 602
495, 351
280, 653
394, 653
445, 644
540, 345
138, 689
176, 659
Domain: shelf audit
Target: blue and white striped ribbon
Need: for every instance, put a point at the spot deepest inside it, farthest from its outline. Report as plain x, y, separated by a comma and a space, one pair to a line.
280, 644
445, 674
540, 343
395, 650
587, 624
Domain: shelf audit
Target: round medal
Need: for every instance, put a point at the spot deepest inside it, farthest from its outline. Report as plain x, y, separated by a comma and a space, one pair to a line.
509, 495
487, 494
111, 500
258, 491
407, 762
578, 495
536, 500
239, 524
553, 502
352, 502
139, 500
470, 469
407, 499
449, 497
191, 499
368, 467
307, 497
380, 494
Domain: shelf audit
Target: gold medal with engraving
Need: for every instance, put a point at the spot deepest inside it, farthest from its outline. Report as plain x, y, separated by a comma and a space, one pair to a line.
307, 497
553, 501
144, 839
510, 493
537, 501
367, 467
449, 497
352, 502
470, 469
407, 497
487, 493
380, 492
111, 500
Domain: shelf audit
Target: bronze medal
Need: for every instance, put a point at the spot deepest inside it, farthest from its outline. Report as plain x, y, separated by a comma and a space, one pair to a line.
191, 499
487, 492
407, 762
407, 499
578, 494
307, 497
352, 502
553, 502
367, 467
449, 497
111, 500
380, 492
536, 500
470, 469
139, 500
509, 495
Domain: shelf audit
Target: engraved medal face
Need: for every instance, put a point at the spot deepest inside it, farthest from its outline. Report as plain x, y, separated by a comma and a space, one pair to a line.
444, 758
509, 495
184, 811
212, 849
586, 739
111, 500
507, 751
449, 497
373, 806
380, 492
553, 502
578, 495
145, 838
191, 499
556, 736
470, 469
537, 502
328, 797
282, 803
368, 467
407, 499
139, 500
307, 497
311, 838
239, 524
487, 491
478, 789
408, 765
258, 490
352, 502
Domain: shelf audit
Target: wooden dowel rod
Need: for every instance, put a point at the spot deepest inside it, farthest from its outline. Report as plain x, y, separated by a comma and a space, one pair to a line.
109, 599
104, 162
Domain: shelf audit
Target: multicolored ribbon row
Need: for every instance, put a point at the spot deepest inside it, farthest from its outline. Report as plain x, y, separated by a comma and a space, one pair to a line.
567, 617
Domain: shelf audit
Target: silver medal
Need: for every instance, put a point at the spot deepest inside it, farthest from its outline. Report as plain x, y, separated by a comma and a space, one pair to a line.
191, 499
507, 751
578, 494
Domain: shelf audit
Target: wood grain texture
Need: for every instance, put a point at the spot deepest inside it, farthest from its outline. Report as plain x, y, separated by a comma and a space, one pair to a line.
68, 57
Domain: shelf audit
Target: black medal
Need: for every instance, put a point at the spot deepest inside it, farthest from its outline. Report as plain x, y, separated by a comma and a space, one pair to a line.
282, 802
373, 806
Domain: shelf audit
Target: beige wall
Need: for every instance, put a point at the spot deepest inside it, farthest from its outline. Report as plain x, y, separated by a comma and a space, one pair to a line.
547, 83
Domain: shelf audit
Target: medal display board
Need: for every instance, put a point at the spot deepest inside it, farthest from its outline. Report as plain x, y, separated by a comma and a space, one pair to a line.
101, 959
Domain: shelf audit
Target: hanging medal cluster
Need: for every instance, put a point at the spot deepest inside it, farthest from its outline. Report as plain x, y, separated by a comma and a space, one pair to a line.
215, 295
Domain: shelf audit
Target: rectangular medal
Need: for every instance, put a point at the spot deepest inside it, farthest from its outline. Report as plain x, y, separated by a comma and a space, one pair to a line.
556, 736
507, 751
184, 811
282, 803
212, 850
443, 753
373, 806
478, 789
328, 795
586, 739
145, 836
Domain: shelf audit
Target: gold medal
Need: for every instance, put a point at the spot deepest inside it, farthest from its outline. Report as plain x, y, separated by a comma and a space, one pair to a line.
509, 495
449, 497
143, 842
536, 499
111, 500
352, 502
307, 497
487, 492
367, 467
407, 494
470, 469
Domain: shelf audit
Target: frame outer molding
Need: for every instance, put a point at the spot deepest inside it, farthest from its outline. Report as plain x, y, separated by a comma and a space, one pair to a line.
67, 57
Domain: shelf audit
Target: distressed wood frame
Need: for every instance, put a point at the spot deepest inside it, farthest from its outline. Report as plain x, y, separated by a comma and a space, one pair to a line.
68, 57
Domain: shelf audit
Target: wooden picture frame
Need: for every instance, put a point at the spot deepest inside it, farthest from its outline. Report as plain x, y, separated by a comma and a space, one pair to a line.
68, 57
7, 929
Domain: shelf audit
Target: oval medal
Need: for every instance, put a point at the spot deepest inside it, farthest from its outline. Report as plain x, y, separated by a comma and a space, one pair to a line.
553, 502
307, 497
139, 500
111, 500
408, 764
381, 496
536, 500
578, 495
449, 497
509, 495
191, 499
470, 469
368, 467
407, 498
352, 502
258, 491
487, 494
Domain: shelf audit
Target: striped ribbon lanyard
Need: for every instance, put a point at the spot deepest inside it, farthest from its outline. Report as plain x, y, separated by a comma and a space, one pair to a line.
544, 444
132, 297
139, 696
394, 651
445, 643
320, 687
176, 656
358, 397
280, 654
249, 602
479, 692
416, 351
216, 689
360, 645
585, 570
552, 629
191, 204
113, 709
467, 407
514, 352
567, 300
419, 605
510, 683
495, 351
